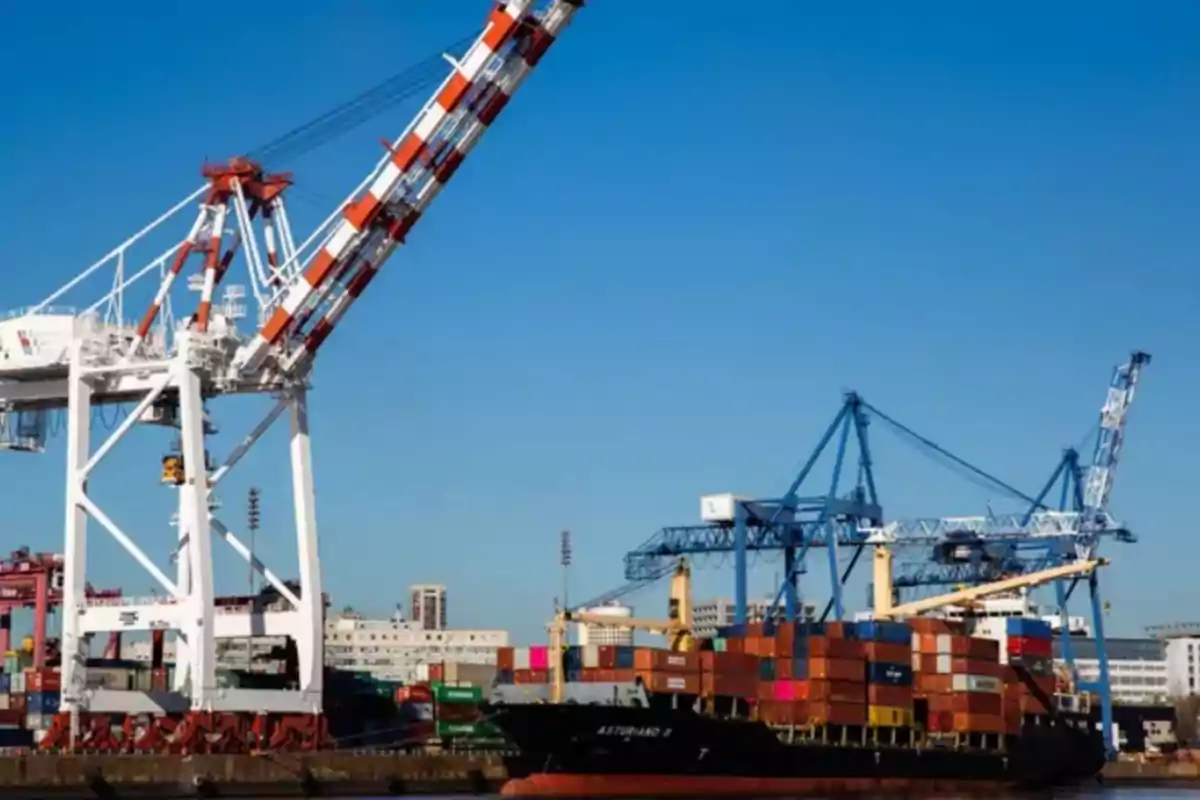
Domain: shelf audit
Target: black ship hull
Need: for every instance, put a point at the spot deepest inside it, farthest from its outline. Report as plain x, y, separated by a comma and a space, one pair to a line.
619, 751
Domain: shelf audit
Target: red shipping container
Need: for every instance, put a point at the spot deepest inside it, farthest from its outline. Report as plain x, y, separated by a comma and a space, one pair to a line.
43, 680
836, 670
783, 712
728, 663
977, 703
824, 647
979, 723
940, 703
784, 669
589, 675
941, 721
728, 685
1029, 646
975, 666
670, 682
606, 676
652, 659
530, 676
932, 625
607, 655
837, 691
505, 660
835, 630
933, 684
983, 649
437, 672
888, 653
879, 694
838, 713
735, 646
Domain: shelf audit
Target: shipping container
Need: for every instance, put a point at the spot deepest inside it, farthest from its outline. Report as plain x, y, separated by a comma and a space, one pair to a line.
457, 694
670, 682
838, 713
521, 676
978, 723
521, 659
837, 691
976, 683
42, 703
835, 670
824, 647
728, 663
987, 703
1029, 646
884, 631
891, 674
888, 652
889, 717
880, 694
766, 669
591, 656
43, 680
1032, 628
728, 684
539, 657
504, 659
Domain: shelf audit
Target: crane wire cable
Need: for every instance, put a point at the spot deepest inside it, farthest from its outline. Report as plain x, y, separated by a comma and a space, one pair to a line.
354, 112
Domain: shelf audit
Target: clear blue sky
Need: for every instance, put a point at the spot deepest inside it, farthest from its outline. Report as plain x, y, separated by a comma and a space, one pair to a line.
660, 270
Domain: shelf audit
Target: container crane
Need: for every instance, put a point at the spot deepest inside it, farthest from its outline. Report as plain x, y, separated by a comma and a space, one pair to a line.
168, 367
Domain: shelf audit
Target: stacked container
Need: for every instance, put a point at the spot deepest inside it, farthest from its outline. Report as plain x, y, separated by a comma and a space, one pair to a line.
888, 650
958, 678
1029, 677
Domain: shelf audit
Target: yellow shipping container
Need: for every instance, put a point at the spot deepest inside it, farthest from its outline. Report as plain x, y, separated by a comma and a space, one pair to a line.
889, 717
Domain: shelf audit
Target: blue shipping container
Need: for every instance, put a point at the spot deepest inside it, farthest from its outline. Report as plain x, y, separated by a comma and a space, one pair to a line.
889, 674
624, 657
883, 631
800, 669
732, 632
5, 683
574, 676
1032, 628
43, 703
504, 677
572, 657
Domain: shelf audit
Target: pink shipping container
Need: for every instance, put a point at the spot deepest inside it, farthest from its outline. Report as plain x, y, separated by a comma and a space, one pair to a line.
539, 657
786, 691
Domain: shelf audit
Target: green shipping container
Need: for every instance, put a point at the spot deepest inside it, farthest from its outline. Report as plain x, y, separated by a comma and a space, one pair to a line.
457, 694
467, 730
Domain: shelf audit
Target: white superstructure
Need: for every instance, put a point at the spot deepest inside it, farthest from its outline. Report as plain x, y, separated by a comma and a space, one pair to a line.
587, 634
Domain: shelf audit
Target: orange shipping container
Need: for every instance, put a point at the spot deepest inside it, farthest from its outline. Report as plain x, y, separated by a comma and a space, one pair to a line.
504, 658
624, 675
979, 723
783, 712
785, 669
837, 670
670, 682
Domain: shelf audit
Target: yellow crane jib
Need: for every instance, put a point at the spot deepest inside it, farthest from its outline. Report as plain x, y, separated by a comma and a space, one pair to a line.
677, 627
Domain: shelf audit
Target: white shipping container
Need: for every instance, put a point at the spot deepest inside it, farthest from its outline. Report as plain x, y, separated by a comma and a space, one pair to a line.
719, 507
520, 658
944, 663
977, 683
422, 672
5, 702
916, 642
591, 656
18, 683
916, 662
38, 722
469, 674
943, 643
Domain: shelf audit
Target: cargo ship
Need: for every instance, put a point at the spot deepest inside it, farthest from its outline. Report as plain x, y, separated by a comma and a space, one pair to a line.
806, 709
569, 750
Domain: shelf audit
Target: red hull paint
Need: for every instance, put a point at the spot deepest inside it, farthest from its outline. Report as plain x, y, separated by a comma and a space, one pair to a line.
551, 785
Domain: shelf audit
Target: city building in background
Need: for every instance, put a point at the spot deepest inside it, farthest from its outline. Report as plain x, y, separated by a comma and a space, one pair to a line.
428, 608
606, 634
1137, 668
718, 612
393, 649
1181, 642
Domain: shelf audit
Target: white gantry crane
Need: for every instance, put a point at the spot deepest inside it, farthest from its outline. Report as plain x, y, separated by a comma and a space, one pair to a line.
168, 365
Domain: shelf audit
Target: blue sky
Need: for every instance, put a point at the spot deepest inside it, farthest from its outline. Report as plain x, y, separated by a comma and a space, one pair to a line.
660, 270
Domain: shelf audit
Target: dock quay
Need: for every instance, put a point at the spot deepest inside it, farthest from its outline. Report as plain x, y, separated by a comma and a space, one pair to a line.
331, 774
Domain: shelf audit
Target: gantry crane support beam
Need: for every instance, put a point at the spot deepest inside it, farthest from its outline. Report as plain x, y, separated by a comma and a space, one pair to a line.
999, 587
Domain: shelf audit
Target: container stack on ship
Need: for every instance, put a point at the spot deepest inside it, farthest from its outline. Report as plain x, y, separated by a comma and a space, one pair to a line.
794, 709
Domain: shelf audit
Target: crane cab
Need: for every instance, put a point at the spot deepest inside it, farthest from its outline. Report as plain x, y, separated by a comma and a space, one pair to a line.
172, 469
